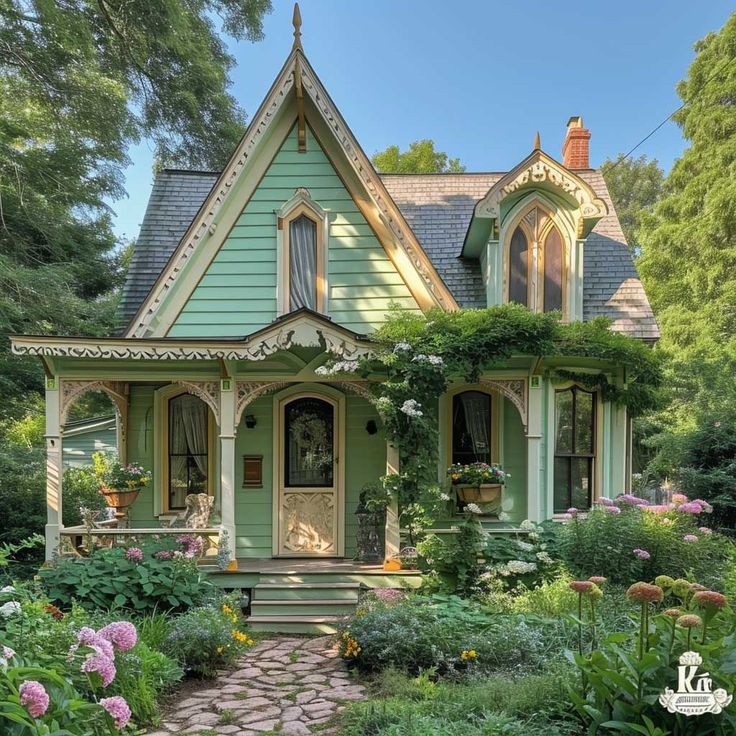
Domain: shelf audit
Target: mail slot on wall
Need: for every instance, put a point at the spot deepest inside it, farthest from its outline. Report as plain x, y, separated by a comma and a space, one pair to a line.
252, 471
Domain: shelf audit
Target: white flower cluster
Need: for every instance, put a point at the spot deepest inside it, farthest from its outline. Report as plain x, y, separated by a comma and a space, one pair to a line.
544, 558
342, 366
401, 347
525, 546
474, 508
434, 360
384, 405
516, 567
503, 516
412, 408
9, 609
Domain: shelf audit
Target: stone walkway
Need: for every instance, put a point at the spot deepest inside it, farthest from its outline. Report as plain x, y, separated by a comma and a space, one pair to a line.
292, 686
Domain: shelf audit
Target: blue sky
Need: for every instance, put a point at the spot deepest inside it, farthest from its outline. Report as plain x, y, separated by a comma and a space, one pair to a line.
479, 77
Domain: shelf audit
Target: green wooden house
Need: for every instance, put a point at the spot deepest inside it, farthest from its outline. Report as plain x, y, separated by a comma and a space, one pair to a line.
84, 437
243, 282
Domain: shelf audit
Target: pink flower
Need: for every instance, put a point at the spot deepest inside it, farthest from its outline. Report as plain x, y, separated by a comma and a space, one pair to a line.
134, 554
642, 554
690, 538
661, 509
193, 545
164, 554
118, 709
8, 653
705, 530
90, 638
631, 500
612, 509
121, 634
98, 661
645, 593
573, 511
691, 507
679, 498
605, 501
34, 698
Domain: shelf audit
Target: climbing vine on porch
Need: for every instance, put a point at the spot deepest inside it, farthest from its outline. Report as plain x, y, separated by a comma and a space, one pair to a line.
417, 355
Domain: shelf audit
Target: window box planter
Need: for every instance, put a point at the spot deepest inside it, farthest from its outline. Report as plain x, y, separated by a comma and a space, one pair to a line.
484, 493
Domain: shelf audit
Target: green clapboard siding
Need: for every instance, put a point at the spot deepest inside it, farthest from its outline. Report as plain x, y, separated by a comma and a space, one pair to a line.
514, 462
237, 294
78, 447
140, 450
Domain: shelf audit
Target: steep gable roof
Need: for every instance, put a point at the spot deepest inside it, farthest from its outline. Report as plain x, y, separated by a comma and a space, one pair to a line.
438, 208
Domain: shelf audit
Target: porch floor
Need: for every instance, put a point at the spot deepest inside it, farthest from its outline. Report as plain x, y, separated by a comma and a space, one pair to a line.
300, 565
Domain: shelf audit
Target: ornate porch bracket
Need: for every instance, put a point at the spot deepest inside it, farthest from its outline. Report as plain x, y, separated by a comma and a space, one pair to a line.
359, 388
246, 392
71, 391
516, 390
208, 391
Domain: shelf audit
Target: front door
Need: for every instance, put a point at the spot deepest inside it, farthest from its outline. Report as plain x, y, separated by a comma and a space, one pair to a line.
309, 502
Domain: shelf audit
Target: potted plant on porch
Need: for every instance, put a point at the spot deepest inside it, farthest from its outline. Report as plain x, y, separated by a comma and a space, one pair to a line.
477, 482
119, 484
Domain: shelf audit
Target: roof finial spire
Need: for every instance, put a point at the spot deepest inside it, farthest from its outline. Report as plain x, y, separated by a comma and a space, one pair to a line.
537, 142
297, 21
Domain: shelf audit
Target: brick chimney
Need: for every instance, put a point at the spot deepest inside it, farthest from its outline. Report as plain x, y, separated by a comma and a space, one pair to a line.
575, 153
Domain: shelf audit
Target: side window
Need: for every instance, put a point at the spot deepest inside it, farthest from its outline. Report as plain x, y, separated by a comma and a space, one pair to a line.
575, 449
519, 268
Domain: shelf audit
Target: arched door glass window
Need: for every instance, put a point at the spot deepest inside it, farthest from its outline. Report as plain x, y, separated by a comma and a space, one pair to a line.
552, 254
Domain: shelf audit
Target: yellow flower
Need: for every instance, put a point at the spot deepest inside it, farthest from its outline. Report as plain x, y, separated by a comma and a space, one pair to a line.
352, 648
240, 636
220, 650
467, 654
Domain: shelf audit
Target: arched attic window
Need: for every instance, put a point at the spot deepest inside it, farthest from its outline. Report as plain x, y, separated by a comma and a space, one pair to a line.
536, 263
302, 225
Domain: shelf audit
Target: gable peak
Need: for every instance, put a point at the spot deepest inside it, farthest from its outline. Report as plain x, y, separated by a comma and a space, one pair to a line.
296, 20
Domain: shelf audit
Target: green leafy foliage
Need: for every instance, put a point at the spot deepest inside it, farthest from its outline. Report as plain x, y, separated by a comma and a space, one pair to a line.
420, 158
433, 632
81, 490
206, 639
604, 544
107, 580
635, 185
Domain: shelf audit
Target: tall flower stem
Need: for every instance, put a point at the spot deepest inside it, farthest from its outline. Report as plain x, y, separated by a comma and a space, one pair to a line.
592, 623
705, 629
580, 623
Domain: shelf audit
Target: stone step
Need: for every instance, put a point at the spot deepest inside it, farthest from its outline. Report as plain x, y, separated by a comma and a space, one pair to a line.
306, 607
306, 591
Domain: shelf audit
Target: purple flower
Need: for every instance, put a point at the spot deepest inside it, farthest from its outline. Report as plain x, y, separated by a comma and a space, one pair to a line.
8, 653
164, 554
193, 545
121, 634
631, 500
605, 501
642, 554
98, 661
134, 554
118, 709
690, 538
705, 530
612, 509
34, 698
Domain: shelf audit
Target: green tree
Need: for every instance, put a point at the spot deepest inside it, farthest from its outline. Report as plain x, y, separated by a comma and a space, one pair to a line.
635, 184
419, 158
688, 260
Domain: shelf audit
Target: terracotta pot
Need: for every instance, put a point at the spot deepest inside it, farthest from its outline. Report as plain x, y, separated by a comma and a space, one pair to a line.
487, 493
119, 500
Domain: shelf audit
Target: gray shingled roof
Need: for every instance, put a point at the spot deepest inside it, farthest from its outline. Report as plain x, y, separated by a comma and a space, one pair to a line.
438, 208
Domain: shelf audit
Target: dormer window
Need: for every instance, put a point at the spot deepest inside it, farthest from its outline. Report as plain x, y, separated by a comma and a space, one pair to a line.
302, 235
536, 263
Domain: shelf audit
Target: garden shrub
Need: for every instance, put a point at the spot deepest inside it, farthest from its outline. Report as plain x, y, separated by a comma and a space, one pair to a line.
135, 579
444, 633
620, 680
209, 638
81, 489
629, 540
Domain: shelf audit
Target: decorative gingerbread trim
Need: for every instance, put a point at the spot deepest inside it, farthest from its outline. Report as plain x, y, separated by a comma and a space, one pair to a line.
246, 392
207, 391
515, 390
359, 388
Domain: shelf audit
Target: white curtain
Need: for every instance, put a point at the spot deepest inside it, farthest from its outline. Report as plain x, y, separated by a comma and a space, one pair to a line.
477, 420
188, 436
302, 263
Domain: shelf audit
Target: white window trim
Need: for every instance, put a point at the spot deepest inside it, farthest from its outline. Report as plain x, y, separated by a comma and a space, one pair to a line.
301, 203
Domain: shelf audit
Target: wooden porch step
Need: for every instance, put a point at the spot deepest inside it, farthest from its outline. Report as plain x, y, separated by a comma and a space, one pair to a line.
347, 592
296, 624
303, 607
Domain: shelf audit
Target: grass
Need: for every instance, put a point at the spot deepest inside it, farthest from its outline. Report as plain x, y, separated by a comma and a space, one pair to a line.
227, 717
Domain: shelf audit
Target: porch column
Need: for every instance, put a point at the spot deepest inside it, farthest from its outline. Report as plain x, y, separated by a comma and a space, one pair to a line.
534, 451
227, 461
54, 470
393, 533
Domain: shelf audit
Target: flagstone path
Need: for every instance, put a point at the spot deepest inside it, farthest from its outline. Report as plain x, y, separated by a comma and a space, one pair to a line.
294, 686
